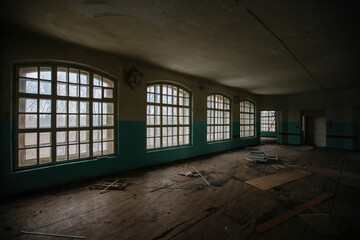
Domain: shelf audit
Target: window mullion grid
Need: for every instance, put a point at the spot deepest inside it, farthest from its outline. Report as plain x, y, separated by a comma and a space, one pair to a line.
177, 116
53, 113
38, 118
101, 117
17, 97
161, 115
91, 103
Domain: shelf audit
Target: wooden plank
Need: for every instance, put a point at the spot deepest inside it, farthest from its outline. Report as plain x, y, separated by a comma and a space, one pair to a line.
289, 214
270, 181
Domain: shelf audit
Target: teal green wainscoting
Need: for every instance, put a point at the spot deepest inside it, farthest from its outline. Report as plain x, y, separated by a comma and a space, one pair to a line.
132, 154
269, 134
342, 135
289, 133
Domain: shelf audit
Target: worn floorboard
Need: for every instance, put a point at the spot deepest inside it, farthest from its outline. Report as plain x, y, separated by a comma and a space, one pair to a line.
158, 203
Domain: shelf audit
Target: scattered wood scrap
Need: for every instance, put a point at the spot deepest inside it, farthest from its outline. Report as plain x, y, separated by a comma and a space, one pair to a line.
270, 181
109, 184
52, 235
289, 214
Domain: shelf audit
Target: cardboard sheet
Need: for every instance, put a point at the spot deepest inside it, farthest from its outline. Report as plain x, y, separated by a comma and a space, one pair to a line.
270, 181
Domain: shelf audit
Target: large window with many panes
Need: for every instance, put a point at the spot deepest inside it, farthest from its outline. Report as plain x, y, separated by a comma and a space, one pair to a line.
168, 116
247, 119
62, 114
267, 121
218, 117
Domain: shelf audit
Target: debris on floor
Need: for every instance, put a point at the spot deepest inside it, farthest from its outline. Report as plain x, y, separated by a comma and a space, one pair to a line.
292, 213
252, 148
201, 176
266, 170
278, 166
52, 235
259, 157
189, 174
271, 181
322, 223
274, 166
193, 174
297, 166
109, 184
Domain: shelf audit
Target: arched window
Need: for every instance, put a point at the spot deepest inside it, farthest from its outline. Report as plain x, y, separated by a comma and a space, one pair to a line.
168, 116
62, 113
218, 117
247, 119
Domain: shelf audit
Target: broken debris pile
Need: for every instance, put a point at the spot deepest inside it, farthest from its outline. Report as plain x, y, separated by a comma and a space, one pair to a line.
259, 157
189, 174
110, 184
193, 174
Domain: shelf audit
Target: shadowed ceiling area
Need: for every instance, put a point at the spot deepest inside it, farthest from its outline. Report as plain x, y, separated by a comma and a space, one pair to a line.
264, 47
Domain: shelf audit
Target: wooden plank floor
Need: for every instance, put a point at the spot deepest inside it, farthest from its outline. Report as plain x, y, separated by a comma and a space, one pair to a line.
160, 204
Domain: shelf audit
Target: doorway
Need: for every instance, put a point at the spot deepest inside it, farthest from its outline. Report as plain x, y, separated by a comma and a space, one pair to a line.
314, 128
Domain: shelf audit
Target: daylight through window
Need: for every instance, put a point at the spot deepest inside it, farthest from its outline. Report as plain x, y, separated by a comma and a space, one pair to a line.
63, 114
218, 117
268, 121
168, 116
247, 119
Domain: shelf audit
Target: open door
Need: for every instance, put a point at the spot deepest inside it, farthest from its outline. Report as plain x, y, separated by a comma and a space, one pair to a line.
320, 131
313, 128
309, 131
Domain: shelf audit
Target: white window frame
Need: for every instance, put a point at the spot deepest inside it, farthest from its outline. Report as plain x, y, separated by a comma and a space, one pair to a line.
166, 129
79, 141
268, 121
247, 119
218, 117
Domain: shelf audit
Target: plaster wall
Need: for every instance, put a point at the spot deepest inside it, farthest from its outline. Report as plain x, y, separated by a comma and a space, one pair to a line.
20, 46
340, 108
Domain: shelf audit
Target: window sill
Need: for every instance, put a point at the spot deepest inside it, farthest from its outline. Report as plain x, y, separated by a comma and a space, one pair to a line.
49, 166
219, 141
168, 149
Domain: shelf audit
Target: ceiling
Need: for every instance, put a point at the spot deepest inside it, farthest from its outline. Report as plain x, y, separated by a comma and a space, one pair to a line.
264, 46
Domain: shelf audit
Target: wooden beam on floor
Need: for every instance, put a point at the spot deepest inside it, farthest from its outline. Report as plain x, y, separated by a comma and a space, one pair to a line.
289, 214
